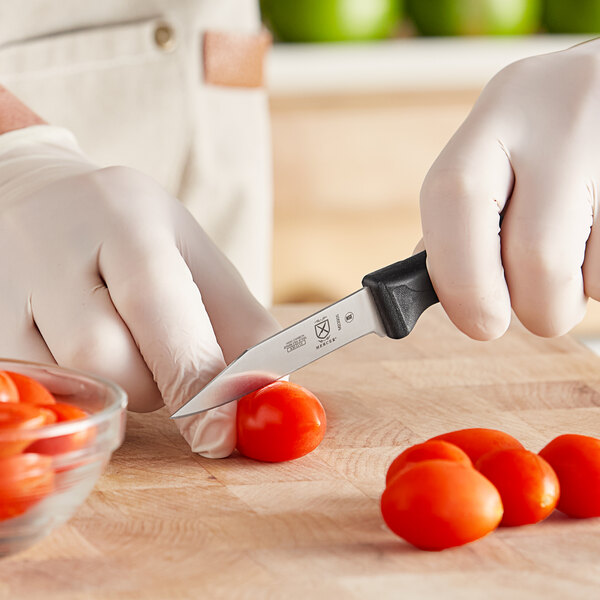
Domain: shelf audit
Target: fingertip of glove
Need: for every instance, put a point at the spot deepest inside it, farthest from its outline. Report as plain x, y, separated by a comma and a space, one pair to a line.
211, 434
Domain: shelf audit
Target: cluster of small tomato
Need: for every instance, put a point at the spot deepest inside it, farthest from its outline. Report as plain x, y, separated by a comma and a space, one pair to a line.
459, 486
26, 467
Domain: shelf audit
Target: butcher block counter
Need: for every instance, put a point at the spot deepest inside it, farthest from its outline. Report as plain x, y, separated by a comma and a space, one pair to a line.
165, 524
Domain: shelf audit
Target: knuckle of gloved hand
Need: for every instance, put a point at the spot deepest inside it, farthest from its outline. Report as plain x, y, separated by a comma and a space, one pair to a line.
524, 69
535, 259
130, 191
584, 69
92, 351
447, 183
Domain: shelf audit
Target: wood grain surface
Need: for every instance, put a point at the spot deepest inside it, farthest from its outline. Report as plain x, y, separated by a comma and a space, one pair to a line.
163, 523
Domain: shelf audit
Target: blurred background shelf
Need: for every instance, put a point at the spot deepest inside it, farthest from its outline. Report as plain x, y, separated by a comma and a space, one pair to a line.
398, 65
355, 127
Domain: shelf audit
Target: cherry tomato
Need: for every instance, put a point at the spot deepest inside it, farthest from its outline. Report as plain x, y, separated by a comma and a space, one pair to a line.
279, 422
576, 460
527, 484
426, 451
8, 389
24, 480
478, 441
63, 443
437, 504
30, 390
15, 417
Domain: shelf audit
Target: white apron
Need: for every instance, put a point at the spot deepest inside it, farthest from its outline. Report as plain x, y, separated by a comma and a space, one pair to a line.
127, 77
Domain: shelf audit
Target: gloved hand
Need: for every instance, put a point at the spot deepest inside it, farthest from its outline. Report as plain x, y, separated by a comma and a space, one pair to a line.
530, 149
102, 270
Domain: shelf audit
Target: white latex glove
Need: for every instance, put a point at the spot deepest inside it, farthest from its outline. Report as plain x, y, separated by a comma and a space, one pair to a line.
531, 148
102, 270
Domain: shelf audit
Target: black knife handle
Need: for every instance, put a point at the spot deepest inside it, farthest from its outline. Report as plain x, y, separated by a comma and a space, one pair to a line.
402, 292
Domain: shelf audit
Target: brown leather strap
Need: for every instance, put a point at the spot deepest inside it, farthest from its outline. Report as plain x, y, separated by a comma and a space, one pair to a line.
235, 59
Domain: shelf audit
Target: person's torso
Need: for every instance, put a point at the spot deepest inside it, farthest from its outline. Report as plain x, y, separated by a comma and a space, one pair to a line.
26, 19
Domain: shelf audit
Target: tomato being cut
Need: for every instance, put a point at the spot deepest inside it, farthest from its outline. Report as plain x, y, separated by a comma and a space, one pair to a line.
438, 504
30, 390
8, 389
63, 443
527, 484
576, 460
434, 449
17, 417
479, 441
24, 480
279, 422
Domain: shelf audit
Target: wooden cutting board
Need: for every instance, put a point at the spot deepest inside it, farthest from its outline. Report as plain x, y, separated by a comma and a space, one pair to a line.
163, 523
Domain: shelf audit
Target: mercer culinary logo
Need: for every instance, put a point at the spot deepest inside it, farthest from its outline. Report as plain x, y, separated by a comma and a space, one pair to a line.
323, 333
322, 328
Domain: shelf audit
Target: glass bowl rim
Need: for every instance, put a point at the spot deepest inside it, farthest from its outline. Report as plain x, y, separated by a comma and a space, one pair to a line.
117, 404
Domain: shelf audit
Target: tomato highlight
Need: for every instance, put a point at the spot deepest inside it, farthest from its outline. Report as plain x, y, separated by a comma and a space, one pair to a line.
433, 449
478, 441
8, 389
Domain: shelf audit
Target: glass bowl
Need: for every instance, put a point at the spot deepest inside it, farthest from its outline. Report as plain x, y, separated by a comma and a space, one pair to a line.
46, 473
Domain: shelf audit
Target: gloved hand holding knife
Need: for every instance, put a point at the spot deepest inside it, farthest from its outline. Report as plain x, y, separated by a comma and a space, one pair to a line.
528, 155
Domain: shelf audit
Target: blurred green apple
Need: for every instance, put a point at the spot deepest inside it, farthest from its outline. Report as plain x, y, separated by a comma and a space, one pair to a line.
572, 16
475, 17
331, 20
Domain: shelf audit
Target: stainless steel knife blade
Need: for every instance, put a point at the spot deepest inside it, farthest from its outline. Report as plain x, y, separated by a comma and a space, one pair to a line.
390, 303
287, 351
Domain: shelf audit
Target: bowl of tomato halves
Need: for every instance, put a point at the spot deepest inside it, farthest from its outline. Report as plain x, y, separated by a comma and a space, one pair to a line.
58, 430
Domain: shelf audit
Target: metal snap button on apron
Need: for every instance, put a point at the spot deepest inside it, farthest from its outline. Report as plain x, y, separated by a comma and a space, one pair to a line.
164, 36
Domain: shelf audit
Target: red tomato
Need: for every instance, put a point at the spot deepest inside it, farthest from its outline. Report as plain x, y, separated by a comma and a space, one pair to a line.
576, 460
15, 416
437, 504
527, 484
30, 390
63, 443
434, 449
281, 421
8, 389
24, 480
478, 441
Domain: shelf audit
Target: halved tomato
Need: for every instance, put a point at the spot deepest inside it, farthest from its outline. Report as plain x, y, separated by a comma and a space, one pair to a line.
24, 480
64, 443
16, 418
30, 390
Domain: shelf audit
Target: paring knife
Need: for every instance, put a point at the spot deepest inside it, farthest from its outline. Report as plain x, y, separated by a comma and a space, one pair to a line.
389, 304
